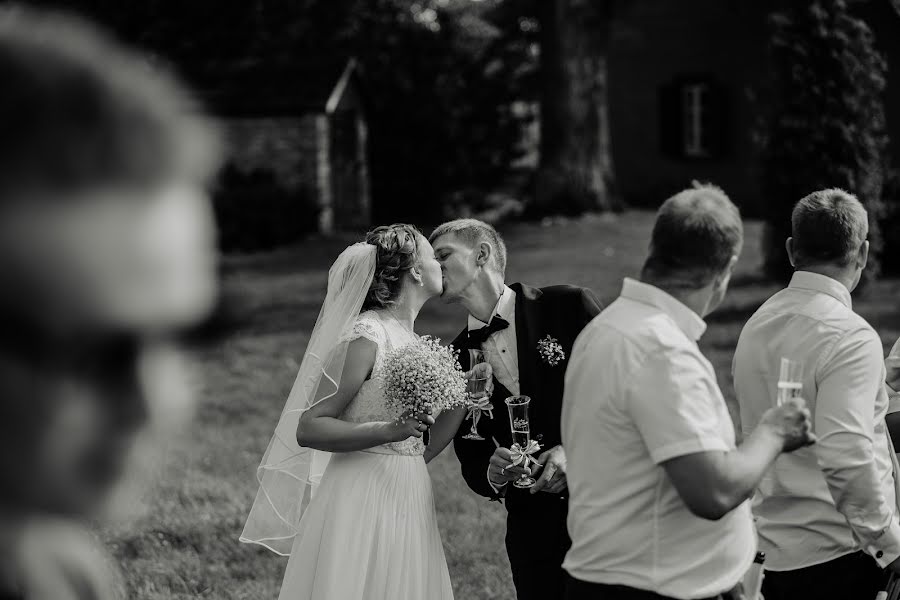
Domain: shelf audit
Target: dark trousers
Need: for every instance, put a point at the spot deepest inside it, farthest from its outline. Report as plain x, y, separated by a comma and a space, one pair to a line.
582, 590
537, 547
852, 577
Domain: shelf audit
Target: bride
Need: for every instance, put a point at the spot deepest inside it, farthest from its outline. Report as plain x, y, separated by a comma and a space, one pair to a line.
364, 528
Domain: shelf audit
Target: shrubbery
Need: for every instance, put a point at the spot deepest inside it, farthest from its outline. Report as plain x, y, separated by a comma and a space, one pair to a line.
255, 213
890, 224
826, 125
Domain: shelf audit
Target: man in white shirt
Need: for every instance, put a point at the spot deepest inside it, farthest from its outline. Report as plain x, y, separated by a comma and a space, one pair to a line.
510, 324
658, 490
826, 515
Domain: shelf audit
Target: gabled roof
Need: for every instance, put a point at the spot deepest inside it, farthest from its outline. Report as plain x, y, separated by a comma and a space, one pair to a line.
292, 88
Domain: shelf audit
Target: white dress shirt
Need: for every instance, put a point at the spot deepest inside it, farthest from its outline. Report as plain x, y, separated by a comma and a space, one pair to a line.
639, 392
501, 351
836, 497
500, 348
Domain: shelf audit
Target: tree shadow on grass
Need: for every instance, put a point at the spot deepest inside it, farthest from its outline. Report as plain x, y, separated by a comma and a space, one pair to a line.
315, 253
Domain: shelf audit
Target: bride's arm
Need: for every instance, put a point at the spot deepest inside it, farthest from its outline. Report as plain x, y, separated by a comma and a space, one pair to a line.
321, 429
443, 431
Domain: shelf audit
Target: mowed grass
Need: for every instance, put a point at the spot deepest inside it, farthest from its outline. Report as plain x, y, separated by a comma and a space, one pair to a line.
186, 544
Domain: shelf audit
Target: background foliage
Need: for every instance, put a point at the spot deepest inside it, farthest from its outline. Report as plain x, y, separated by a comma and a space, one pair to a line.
443, 80
440, 77
825, 127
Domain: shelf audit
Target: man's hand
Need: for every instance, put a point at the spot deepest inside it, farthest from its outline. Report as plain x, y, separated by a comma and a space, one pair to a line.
483, 371
791, 422
553, 479
893, 368
501, 470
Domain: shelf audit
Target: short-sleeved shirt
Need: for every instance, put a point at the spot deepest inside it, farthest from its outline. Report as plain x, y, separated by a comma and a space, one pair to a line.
639, 393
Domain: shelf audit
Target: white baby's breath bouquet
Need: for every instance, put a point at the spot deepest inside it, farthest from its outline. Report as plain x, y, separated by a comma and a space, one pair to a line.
424, 377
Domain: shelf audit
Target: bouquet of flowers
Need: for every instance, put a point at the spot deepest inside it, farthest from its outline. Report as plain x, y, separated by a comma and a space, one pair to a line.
424, 377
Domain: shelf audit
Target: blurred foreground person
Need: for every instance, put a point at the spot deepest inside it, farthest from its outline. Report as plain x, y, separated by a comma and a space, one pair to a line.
658, 506
106, 258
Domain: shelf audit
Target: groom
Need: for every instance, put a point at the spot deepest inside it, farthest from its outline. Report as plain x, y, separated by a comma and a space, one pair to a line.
512, 325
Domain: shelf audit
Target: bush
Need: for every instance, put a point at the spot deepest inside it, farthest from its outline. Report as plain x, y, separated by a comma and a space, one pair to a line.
254, 212
825, 126
440, 93
890, 224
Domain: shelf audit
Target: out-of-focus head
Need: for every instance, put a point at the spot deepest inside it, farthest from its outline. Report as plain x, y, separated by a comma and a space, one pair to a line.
468, 249
696, 241
404, 260
828, 231
107, 251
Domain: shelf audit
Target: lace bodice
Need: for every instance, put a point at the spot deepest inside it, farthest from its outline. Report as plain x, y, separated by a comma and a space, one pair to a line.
369, 404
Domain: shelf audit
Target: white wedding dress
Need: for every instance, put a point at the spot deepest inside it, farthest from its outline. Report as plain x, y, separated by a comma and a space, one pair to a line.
370, 531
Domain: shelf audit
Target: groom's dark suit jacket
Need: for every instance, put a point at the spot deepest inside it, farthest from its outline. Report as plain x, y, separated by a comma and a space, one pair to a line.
536, 529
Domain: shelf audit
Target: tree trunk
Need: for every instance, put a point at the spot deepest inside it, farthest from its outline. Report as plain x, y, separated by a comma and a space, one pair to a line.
576, 171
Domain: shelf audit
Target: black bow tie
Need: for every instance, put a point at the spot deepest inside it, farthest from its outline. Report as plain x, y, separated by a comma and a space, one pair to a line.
480, 336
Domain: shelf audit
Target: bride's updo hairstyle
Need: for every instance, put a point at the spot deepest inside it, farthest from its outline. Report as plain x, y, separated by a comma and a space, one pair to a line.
397, 253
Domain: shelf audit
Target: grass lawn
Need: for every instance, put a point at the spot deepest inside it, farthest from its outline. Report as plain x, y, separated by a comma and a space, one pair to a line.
186, 544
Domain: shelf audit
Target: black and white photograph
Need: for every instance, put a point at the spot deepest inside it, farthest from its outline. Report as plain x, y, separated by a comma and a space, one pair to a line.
450, 299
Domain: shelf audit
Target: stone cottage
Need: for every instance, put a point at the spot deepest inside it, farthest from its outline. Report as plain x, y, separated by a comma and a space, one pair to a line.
304, 123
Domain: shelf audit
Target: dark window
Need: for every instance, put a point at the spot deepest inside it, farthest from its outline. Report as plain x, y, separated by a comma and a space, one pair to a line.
694, 106
693, 122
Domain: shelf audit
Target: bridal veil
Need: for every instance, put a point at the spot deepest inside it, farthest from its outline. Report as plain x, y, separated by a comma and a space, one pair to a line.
289, 473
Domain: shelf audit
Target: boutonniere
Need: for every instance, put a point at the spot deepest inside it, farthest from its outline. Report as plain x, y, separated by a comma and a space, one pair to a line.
551, 351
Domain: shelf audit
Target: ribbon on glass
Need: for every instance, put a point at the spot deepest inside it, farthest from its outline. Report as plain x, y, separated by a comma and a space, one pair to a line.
522, 456
479, 407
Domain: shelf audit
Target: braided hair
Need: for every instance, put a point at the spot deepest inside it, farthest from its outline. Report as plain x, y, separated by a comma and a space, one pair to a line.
397, 253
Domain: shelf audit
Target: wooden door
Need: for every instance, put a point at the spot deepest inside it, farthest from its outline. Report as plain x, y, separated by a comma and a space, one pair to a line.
349, 213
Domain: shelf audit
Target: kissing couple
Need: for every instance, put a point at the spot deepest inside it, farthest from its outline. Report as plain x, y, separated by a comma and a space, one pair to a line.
343, 485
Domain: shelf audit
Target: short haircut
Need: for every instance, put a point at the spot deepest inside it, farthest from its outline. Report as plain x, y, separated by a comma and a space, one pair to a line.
697, 231
474, 232
78, 111
828, 226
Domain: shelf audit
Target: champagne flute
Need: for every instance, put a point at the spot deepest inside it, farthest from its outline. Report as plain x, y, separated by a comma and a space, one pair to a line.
521, 432
475, 388
790, 380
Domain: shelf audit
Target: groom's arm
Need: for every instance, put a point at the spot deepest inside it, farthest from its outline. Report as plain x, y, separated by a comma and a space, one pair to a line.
475, 458
590, 307
578, 305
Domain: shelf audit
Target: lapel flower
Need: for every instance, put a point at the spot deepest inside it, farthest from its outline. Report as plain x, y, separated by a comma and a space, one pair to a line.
551, 351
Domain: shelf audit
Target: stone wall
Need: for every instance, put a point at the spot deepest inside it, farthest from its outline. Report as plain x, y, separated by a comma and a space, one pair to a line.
286, 146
